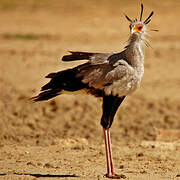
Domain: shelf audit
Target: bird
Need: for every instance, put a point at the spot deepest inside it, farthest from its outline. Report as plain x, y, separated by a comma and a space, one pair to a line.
108, 76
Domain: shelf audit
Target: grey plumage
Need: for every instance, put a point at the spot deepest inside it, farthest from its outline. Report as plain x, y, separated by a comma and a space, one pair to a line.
116, 74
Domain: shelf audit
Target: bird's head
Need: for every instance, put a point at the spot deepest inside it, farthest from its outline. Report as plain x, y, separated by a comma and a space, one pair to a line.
138, 27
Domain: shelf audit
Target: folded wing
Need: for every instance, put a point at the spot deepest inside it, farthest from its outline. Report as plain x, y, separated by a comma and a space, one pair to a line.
101, 71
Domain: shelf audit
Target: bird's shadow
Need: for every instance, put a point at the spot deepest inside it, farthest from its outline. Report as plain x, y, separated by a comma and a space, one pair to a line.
44, 175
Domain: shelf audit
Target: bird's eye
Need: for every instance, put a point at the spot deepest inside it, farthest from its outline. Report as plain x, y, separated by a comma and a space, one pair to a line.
139, 27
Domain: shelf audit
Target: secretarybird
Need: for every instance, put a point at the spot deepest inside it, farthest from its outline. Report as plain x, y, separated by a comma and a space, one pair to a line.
110, 76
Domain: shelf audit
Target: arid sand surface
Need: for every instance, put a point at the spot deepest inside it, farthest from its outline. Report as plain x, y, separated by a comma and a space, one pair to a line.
62, 138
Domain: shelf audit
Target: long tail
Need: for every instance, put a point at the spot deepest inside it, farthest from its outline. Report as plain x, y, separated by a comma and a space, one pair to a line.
76, 55
66, 80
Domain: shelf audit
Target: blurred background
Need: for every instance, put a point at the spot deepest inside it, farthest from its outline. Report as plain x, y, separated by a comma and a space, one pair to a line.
35, 35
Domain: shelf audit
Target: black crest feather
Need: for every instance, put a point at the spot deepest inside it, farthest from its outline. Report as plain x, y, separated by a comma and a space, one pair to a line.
141, 12
147, 20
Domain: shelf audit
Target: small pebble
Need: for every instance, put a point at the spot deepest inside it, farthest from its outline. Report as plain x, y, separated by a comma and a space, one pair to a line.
139, 154
121, 166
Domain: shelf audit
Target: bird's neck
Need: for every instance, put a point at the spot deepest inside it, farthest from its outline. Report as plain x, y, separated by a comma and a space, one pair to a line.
134, 51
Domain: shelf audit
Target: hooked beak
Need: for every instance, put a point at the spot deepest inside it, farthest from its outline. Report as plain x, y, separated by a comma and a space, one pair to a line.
134, 30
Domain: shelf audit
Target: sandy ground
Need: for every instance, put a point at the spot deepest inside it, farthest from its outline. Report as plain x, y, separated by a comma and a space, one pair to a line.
62, 138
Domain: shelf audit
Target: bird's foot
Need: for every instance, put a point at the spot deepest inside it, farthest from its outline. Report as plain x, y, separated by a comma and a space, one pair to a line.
115, 176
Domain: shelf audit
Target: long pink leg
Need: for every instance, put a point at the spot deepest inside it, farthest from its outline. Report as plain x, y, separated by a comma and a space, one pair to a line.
107, 152
110, 152
110, 165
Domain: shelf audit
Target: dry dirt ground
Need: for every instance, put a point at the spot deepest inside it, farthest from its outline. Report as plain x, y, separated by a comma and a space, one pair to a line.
62, 138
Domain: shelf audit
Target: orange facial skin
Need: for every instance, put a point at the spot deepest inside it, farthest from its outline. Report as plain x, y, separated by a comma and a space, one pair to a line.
138, 27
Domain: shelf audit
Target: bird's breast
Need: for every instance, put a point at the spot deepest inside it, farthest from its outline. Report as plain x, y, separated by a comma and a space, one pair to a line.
126, 85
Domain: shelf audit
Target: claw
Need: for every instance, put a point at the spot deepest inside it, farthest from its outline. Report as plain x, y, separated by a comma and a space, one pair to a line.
116, 176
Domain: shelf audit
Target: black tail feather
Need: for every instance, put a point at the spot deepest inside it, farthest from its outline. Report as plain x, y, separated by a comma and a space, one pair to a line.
45, 95
66, 80
51, 75
75, 55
